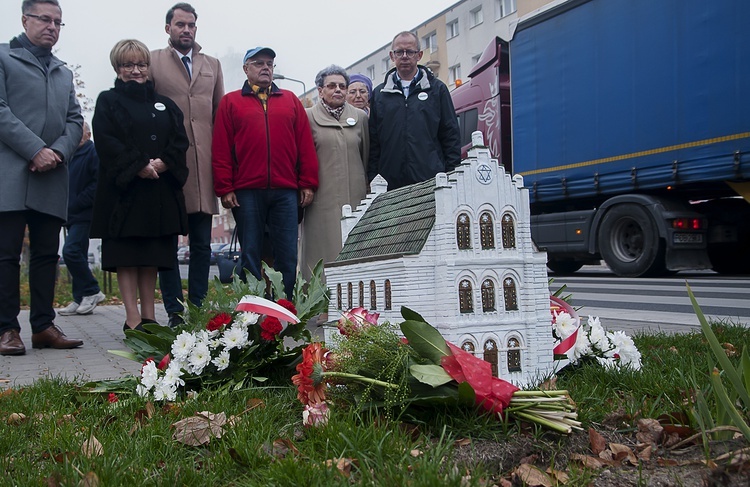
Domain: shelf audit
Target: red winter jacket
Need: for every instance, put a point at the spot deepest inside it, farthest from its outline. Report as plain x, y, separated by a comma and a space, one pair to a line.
252, 149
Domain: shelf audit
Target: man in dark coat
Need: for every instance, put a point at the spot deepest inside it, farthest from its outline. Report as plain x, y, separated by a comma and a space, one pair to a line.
40, 128
413, 127
84, 169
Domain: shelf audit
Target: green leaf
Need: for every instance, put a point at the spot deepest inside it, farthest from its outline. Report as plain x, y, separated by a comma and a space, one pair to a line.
466, 394
720, 353
277, 281
311, 298
127, 355
425, 340
745, 367
411, 315
732, 412
433, 375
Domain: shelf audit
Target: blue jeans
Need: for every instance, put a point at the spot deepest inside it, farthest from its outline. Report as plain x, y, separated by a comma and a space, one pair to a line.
44, 240
277, 209
76, 256
170, 282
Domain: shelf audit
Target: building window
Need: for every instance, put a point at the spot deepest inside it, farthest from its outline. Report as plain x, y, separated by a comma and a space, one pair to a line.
509, 232
486, 231
476, 17
468, 346
361, 294
387, 294
451, 29
514, 355
339, 300
454, 73
430, 42
465, 301
463, 231
504, 8
371, 72
488, 296
509, 293
385, 64
373, 296
490, 355
349, 297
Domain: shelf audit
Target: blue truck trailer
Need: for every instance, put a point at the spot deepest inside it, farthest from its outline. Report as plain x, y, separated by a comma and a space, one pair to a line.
630, 123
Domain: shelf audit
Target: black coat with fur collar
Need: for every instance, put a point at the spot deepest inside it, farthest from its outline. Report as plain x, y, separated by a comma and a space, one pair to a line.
131, 125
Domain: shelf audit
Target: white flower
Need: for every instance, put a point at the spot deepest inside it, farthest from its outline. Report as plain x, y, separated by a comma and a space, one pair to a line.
141, 390
612, 348
597, 335
629, 354
246, 319
182, 346
580, 349
564, 325
200, 356
235, 337
164, 391
607, 363
149, 374
173, 374
222, 361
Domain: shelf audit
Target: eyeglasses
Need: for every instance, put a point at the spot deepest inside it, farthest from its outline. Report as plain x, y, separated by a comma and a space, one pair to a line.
408, 53
361, 92
132, 66
333, 86
260, 64
46, 20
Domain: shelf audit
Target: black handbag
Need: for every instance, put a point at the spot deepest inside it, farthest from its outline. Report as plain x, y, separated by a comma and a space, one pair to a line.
228, 261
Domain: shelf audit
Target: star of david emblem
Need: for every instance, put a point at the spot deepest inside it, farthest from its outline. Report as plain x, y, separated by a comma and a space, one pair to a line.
484, 174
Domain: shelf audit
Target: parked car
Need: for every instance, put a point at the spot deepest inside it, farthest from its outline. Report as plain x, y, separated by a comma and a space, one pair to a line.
183, 254
215, 249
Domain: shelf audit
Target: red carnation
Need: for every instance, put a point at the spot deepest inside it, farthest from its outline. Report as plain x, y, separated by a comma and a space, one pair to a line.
113, 397
218, 321
270, 327
288, 305
164, 362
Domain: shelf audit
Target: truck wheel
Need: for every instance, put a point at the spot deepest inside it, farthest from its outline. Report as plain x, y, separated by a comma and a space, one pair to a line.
629, 242
563, 267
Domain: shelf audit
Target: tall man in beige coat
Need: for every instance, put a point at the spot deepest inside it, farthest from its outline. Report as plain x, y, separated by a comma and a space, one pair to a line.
195, 82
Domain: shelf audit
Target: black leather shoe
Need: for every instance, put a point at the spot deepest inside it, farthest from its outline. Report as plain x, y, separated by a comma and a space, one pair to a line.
53, 337
11, 344
138, 327
175, 320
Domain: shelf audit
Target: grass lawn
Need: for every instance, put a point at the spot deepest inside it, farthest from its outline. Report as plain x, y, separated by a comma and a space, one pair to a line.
69, 437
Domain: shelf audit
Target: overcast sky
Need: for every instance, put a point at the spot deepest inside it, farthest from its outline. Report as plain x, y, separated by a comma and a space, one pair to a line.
306, 35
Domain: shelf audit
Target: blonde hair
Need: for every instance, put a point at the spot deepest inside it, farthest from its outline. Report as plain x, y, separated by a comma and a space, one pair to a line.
128, 46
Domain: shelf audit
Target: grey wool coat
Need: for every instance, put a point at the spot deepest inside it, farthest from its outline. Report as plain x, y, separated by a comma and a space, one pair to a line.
37, 109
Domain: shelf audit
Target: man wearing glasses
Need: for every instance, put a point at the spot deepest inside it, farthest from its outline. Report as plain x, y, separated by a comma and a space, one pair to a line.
40, 128
265, 164
413, 127
194, 81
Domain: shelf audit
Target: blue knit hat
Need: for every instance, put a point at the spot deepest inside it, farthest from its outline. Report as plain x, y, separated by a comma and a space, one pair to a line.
354, 78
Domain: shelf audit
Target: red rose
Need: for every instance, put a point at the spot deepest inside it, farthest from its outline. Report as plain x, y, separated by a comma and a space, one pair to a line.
218, 321
288, 305
270, 327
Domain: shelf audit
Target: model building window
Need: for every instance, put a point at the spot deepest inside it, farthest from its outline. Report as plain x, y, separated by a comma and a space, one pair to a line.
463, 231
349, 297
514, 355
487, 231
361, 294
468, 346
373, 296
387, 294
490, 355
339, 300
488, 296
466, 303
509, 232
509, 292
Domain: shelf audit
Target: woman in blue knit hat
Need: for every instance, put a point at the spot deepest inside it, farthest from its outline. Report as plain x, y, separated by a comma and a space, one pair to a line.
359, 92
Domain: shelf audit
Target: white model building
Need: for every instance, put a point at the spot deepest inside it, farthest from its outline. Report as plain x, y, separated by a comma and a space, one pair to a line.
456, 249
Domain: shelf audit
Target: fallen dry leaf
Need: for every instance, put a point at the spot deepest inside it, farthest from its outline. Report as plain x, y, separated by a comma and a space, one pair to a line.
649, 431
607, 455
280, 448
532, 476
645, 454
529, 459
199, 429
598, 443
506, 483
89, 480
462, 442
623, 453
53, 480
416, 453
548, 385
16, 418
588, 461
730, 349
343, 465
92, 447
254, 403
673, 349
560, 476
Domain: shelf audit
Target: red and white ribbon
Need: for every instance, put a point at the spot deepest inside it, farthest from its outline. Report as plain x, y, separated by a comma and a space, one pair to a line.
262, 306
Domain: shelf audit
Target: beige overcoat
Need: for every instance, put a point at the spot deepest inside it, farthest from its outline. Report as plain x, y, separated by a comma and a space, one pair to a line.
342, 146
198, 98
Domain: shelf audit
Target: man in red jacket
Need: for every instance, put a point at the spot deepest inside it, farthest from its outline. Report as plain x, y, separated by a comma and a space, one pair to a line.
264, 164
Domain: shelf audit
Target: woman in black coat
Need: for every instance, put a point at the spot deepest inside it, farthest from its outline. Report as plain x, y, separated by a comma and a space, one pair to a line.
139, 205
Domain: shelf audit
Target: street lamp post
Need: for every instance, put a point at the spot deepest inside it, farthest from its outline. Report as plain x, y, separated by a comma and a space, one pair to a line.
281, 76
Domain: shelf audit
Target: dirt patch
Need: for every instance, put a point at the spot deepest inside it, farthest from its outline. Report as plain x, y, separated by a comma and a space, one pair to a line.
686, 467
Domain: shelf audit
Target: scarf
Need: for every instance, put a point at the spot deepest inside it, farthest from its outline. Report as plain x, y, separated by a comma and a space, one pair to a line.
335, 112
262, 95
43, 54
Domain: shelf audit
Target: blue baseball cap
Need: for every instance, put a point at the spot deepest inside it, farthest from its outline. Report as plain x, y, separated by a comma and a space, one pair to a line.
258, 50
